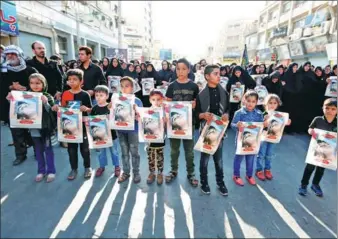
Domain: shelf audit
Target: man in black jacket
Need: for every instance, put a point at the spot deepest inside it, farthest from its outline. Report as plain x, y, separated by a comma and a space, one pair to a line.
47, 68
16, 78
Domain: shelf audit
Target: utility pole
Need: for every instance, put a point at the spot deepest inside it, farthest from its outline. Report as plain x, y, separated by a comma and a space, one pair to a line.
78, 38
119, 27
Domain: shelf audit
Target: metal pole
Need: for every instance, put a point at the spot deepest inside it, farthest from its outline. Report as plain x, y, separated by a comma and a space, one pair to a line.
119, 27
78, 38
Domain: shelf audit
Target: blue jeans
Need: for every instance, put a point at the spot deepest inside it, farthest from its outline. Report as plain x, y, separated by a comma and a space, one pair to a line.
265, 153
129, 147
114, 155
249, 159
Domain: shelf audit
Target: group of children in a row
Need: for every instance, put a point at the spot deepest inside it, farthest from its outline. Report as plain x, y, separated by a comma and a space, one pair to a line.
213, 99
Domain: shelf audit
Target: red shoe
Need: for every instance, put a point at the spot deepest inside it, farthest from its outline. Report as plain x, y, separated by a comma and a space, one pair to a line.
99, 172
268, 174
260, 175
117, 171
251, 180
238, 180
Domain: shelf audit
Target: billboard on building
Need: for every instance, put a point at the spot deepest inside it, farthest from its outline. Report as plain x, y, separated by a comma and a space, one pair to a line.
165, 54
9, 21
121, 54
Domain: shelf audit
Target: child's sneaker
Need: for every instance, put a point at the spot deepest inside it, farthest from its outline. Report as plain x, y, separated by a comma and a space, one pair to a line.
318, 191
123, 177
99, 172
205, 188
238, 180
39, 177
50, 177
222, 189
159, 179
260, 175
268, 174
302, 190
117, 171
137, 178
72, 175
151, 178
251, 180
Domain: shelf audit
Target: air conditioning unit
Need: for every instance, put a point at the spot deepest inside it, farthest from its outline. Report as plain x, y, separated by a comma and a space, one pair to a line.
307, 32
325, 27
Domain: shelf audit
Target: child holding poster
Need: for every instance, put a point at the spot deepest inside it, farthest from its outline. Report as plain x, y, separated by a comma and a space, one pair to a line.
248, 113
266, 151
129, 138
328, 122
103, 108
213, 99
77, 96
155, 151
183, 89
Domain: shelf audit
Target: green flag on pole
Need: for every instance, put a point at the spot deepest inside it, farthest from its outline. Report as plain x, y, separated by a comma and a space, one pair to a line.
245, 59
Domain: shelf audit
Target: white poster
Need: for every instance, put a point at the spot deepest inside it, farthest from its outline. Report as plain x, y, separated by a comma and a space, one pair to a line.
236, 93
70, 125
151, 125
249, 140
25, 110
114, 84
277, 121
331, 89
322, 150
98, 132
262, 94
259, 78
179, 125
223, 82
148, 84
211, 136
200, 81
122, 113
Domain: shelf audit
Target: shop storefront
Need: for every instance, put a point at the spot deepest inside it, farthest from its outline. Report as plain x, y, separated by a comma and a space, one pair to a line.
331, 51
315, 50
9, 23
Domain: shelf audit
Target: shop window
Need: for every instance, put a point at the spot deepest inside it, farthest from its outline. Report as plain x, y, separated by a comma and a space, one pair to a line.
273, 15
299, 3
286, 7
62, 41
299, 24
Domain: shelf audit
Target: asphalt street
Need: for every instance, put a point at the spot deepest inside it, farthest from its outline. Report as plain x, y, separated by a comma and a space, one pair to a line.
102, 208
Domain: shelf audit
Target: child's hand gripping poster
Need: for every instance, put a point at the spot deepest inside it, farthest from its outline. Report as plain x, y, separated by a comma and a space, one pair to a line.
259, 78
147, 85
236, 93
70, 125
211, 136
26, 110
151, 125
98, 132
262, 93
114, 84
249, 139
277, 121
323, 149
331, 89
122, 112
223, 82
179, 124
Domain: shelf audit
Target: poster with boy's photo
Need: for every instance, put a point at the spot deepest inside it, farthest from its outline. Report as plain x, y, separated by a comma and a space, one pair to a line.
331, 89
211, 136
151, 125
259, 78
200, 81
26, 110
74, 104
98, 132
70, 125
114, 84
262, 93
236, 93
148, 84
179, 124
122, 113
163, 89
249, 139
322, 150
223, 82
274, 132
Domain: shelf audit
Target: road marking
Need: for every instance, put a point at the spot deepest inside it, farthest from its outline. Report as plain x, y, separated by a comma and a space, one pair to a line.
248, 230
18, 176
169, 222
227, 227
4, 198
137, 215
124, 201
154, 212
186, 201
285, 215
73, 208
317, 219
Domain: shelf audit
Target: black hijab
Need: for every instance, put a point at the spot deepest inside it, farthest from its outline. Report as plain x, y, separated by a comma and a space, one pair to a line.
293, 83
244, 78
129, 73
114, 71
270, 69
253, 70
153, 74
273, 88
165, 75
105, 68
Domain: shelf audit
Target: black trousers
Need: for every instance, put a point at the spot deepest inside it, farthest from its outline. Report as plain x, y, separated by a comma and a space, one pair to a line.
308, 172
218, 165
84, 149
232, 109
21, 138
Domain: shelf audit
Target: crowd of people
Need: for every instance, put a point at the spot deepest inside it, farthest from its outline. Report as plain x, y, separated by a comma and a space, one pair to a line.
296, 89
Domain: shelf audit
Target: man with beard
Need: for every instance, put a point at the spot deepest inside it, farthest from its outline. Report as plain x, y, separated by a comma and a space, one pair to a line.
49, 69
16, 78
93, 74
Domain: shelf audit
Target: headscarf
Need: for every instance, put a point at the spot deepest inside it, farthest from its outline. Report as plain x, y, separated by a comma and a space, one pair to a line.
253, 70
273, 88
293, 83
270, 69
16, 50
165, 75
105, 68
244, 78
129, 73
152, 74
114, 71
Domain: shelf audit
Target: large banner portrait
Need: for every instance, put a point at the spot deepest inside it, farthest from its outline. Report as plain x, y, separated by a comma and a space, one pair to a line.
236, 93
114, 84
331, 89
277, 121
249, 140
262, 93
98, 132
151, 125
179, 125
122, 113
70, 125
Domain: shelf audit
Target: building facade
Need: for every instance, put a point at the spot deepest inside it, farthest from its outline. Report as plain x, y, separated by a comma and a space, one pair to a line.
298, 31
64, 25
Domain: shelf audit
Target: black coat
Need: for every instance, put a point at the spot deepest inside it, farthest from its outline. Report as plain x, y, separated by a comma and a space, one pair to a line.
51, 72
273, 88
